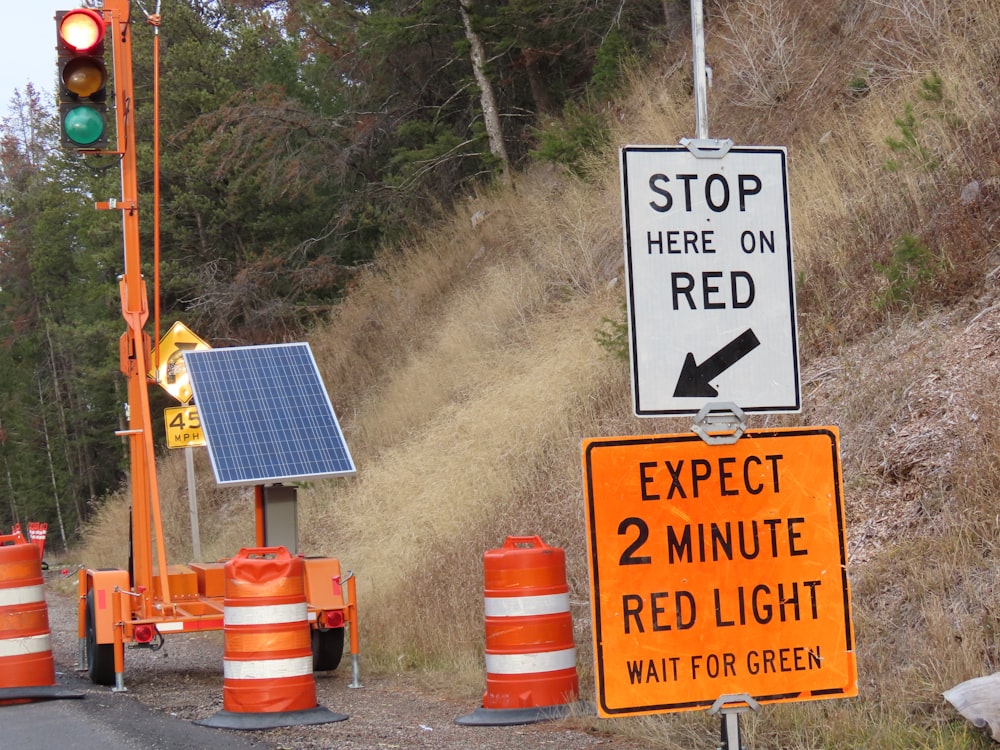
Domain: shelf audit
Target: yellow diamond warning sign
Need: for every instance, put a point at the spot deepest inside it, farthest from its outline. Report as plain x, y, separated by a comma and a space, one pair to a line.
718, 570
168, 361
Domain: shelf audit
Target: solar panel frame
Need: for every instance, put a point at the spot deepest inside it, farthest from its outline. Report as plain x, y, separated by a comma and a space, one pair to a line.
266, 415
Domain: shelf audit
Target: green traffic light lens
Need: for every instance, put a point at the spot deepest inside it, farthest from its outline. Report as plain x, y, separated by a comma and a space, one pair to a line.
84, 125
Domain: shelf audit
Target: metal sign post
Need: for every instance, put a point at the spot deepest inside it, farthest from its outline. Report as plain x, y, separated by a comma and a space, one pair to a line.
718, 561
700, 69
730, 707
184, 431
193, 503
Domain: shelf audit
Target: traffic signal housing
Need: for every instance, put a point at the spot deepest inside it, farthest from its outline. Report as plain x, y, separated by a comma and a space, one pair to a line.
83, 79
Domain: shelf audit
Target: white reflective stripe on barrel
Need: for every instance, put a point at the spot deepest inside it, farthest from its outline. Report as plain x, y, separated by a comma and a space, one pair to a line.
268, 614
21, 595
266, 669
546, 661
526, 606
32, 644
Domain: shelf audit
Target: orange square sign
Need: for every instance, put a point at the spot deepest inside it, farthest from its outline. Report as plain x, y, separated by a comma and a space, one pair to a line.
718, 570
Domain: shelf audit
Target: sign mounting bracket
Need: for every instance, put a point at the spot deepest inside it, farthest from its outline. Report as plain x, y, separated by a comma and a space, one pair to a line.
731, 706
707, 148
720, 415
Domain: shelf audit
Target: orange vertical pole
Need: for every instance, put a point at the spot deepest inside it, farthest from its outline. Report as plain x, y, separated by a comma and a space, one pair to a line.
135, 344
154, 21
81, 618
258, 513
118, 618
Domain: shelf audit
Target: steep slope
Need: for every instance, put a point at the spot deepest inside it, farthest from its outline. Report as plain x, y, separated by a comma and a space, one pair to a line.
467, 365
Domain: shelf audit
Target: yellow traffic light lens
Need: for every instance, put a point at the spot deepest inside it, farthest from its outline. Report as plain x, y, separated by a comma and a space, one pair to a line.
83, 125
84, 76
82, 29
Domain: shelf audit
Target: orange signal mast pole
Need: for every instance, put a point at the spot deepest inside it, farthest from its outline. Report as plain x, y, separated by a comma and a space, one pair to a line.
134, 345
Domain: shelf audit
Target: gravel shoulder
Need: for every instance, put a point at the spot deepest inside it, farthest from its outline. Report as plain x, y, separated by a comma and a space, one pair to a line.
184, 680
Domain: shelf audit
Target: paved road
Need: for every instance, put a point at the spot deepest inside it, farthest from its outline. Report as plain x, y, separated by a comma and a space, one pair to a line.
102, 720
169, 689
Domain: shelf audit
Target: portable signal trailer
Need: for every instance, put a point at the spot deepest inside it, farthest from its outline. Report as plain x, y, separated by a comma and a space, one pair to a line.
126, 607
140, 605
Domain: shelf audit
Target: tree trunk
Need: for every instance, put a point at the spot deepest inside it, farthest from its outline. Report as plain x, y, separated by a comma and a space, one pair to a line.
14, 517
491, 117
52, 468
63, 426
536, 82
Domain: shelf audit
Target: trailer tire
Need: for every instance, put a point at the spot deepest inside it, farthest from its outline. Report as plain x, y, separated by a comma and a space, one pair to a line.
100, 656
327, 648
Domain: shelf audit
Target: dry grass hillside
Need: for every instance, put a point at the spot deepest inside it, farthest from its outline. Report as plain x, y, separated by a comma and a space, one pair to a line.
466, 370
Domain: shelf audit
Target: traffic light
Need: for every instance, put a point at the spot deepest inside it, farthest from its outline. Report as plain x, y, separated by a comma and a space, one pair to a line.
83, 79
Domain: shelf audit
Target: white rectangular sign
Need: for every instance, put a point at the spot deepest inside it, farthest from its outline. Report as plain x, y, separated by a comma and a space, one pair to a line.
711, 291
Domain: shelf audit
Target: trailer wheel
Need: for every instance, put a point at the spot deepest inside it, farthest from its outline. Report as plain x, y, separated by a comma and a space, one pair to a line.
327, 648
100, 656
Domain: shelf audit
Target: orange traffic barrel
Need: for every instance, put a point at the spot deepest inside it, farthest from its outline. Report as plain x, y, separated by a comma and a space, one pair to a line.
27, 670
530, 654
267, 653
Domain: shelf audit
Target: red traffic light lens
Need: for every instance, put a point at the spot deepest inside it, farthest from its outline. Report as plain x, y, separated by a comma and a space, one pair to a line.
82, 29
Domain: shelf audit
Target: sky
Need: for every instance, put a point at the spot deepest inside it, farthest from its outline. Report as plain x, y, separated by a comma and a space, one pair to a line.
29, 48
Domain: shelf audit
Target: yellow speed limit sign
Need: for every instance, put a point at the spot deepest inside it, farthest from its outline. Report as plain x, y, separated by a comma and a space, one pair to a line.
718, 570
183, 427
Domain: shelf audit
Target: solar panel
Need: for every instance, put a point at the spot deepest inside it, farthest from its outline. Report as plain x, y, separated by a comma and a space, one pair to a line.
266, 415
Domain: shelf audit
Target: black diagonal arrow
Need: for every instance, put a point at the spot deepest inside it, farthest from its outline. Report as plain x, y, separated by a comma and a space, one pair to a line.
694, 379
